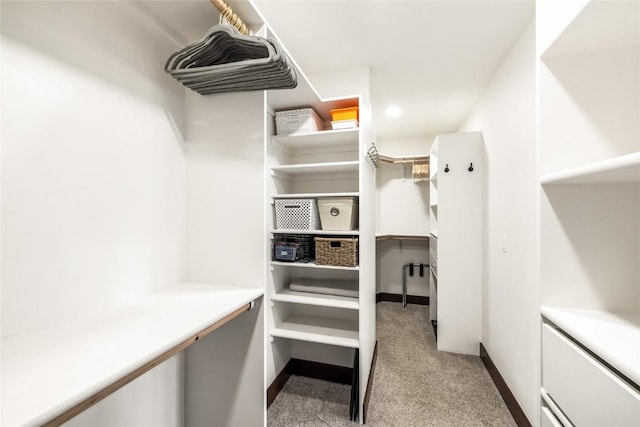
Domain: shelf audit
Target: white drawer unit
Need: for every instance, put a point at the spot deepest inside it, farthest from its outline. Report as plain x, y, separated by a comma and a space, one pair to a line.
587, 391
548, 419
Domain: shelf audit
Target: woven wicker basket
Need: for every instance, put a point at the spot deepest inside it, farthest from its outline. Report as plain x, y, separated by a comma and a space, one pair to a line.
342, 251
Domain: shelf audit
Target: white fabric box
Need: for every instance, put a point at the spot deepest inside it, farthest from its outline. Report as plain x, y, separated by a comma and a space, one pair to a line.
338, 213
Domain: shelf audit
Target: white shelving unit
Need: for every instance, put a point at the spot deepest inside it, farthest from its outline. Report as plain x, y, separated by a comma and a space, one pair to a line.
455, 241
326, 163
589, 127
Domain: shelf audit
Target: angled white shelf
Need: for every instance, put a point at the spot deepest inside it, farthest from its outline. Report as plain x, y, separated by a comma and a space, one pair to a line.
622, 169
403, 159
312, 265
340, 332
599, 26
287, 295
614, 337
65, 364
314, 195
318, 232
326, 138
317, 168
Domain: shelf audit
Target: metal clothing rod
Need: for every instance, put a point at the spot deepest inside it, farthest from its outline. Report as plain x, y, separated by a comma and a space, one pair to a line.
230, 15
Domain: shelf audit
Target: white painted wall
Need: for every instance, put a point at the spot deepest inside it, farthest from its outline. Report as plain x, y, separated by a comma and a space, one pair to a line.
225, 245
93, 178
505, 114
225, 188
402, 207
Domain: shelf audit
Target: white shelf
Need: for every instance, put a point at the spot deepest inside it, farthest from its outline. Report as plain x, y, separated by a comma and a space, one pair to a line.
327, 138
392, 236
312, 265
319, 232
340, 332
623, 169
313, 195
614, 337
287, 295
601, 25
47, 372
403, 159
317, 168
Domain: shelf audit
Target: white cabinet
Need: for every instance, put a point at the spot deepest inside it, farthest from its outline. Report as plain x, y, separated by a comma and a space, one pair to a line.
456, 245
588, 392
589, 136
327, 163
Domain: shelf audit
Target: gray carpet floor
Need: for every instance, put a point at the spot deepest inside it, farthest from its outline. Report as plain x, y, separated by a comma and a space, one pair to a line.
414, 384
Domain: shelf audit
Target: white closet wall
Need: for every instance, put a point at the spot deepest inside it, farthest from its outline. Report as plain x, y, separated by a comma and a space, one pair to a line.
93, 172
505, 113
225, 188
225, 229
93, 175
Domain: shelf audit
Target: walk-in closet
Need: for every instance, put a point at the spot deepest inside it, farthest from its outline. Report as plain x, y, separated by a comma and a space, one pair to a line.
254, 213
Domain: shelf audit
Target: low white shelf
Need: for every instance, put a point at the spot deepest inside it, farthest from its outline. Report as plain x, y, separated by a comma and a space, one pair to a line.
312, 265
622, 169
50, 371
614, 337
287, 295
340, 332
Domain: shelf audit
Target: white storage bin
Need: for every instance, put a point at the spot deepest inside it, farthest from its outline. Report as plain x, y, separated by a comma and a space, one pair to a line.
338, 213
296, 214
302, 120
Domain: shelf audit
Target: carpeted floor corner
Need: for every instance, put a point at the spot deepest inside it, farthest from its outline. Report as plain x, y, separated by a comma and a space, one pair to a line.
414, 384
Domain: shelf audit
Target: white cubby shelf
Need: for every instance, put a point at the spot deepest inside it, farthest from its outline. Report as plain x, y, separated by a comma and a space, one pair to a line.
322, 300
321, 139
318, 232
312, 265
314, 195
322, 330
317, 168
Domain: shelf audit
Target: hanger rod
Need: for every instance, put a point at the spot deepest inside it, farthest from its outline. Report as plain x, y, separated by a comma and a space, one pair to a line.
230, 15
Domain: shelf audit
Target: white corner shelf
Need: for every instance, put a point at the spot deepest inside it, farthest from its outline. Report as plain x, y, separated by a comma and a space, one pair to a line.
599, 26
317, 168
321, 139
319, 232
614, 337
47, 372
314, 195
287, 295
622, 169
312, 265
322, 330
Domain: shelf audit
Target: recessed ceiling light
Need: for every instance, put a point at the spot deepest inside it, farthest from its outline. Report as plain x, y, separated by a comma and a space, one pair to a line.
393, 111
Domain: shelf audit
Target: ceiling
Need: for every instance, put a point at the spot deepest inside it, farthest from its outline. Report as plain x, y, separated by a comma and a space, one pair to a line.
430, 58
